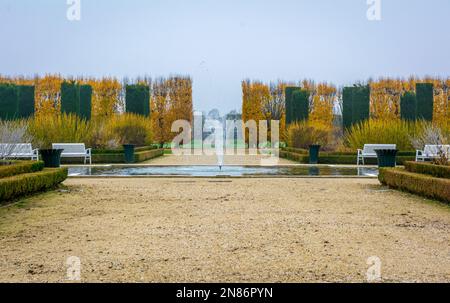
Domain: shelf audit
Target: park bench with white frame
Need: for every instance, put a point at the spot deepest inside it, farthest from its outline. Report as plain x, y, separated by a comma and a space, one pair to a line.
19, 151
74, 150
431, 152
369, 151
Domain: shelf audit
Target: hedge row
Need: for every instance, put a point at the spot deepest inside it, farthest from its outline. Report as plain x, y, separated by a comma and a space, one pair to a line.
22, 185
120, 150
20, 167
339, 158
438, 171
356, 105
137, 99
427, 186
16, 101
118, 157
76, 99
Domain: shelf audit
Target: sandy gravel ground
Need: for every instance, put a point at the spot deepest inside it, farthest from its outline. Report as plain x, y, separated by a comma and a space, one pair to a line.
225, 230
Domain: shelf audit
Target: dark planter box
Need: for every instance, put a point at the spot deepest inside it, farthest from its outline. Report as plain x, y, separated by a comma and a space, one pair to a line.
128, 150
51, 157
387, 157
314, 154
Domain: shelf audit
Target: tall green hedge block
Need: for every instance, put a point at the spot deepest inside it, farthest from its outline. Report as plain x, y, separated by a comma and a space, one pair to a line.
425, 101
85, 102
361, 104
8, 102
25, 99
138, 99
70, 98
408, 106
347, 105
300, 105
289, 91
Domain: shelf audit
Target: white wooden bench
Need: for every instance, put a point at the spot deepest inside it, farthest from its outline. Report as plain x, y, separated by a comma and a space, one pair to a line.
369, 151
19, 151
74, 150
431, 152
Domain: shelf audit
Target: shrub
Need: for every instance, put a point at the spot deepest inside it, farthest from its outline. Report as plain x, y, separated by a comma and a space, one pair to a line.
130, 129
12, 132
21, 185
63, 128
384, 132
432, 135
438, 171
138, 99
8, 101
19, 167
303, 134
427, 186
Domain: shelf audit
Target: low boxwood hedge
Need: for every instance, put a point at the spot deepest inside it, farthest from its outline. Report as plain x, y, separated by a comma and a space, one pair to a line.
120, 150
148, 155
424, 185
25, 184
439, 171
19, 167
336, 158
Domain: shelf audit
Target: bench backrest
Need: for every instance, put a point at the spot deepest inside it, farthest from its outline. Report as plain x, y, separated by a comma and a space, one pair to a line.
70, 148
371, 148
16, 148
435, 150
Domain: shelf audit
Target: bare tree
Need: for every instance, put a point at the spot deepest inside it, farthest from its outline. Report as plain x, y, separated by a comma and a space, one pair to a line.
12, 133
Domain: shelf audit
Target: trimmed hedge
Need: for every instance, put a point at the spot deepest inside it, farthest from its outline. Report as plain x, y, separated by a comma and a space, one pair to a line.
361, 104
347, 104
70, 98
438, 171
118, 157
288, 92
340, 158
25, 101
8, 102
425, 101
408, 106
138, 99
300, 105
20, 167
427, 186
85, 108
22, 185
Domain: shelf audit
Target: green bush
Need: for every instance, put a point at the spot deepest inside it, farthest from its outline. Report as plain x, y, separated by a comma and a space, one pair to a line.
85, 102
8, 102
361, 104
300, 105
290, 115
408, 106
347, 104
20, 167
303, 134
425, 101
25, 184
339, 158
438, 171
427, 186
372, 131
25, 99
70, 98
138, 99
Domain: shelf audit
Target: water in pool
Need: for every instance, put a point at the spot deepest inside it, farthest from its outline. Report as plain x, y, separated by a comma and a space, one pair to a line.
233, 171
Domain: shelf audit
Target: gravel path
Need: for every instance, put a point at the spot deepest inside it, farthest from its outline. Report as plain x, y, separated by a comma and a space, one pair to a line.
225, 230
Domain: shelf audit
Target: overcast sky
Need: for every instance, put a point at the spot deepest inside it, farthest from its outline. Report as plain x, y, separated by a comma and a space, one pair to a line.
220, 43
